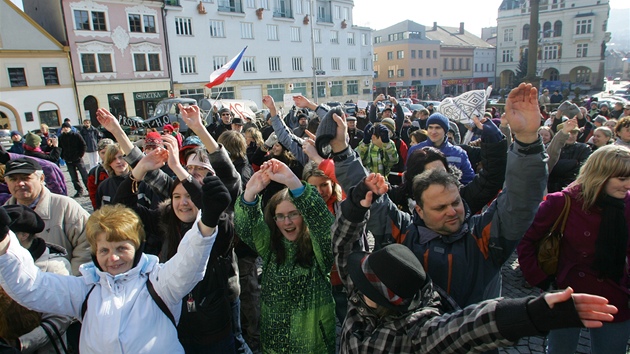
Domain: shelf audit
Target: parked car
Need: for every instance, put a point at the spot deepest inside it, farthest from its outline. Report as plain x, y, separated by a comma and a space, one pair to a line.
405, 101
350, 108
426, 103
617, 81
167, 112
416, 107
5, 138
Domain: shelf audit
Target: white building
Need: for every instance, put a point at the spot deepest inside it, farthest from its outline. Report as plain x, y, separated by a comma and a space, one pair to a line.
484, 61
35, 76
572, 39
203, 36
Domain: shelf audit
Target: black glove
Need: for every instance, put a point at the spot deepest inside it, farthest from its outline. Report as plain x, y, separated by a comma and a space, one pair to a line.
351, 207
367, 134
5, 220
383, 132
216, 198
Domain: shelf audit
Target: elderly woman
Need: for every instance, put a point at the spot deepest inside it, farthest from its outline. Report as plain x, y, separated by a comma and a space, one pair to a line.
594, 247
601, 137
127, 301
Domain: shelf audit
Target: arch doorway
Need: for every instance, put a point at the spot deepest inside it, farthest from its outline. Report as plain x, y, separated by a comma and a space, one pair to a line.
506, 79
551, 74
90, 104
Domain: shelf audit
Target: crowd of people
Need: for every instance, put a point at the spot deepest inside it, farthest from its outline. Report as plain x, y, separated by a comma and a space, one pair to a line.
319, 231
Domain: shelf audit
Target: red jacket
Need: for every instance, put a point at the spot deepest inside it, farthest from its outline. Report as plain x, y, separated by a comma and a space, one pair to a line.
96, 175
577, 250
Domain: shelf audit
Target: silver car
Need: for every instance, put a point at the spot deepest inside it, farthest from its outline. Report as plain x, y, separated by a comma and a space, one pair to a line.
5, 138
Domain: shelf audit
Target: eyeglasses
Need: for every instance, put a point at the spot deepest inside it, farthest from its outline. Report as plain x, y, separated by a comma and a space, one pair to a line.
291, 216
225, 114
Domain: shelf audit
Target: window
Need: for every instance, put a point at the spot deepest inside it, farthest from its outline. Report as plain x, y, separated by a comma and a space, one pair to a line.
299, 87
250, 4
375, 57
295, 34
346, 13
146, 62
183, 26
507, 56
337, 12
247, 30
467, 63
90, 64
390, 73
550, 52
187, 65
318, 63
141, 23
264, 4
222, 92
218, 62
249, 64
321, 89
197, 94
296, 63
525, 34
557, 29
366, 64
352, 64
452, 63
445, 65
336, 89
234, 6
317, 34
50, 118
461, 62
272, 32
352, 87
390, 55
401, 73
283, 9
582, 50
95, 22
400, 54
334, 63
419, 54
420, 72
50, 76
377, 39
508, 35
582, 75
476, 67
434, 54
17, 77
216, 29
583, 26
547, 30
276, 91
298, 7
334, 37
434, 72
428, 72
351, 38
413, 72
413, 54
274, 64
364, 39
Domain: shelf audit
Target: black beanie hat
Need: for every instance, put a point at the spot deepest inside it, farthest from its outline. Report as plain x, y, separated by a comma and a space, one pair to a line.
24, 219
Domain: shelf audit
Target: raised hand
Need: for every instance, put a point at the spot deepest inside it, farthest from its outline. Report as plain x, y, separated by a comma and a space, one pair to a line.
216, 198
371, 186
259, 181
592, 309
309, 148
303, 102
281, 173
154, 159
171, 145
569, 125
107, 120
522, 113
340, 141
191, 115
270, 104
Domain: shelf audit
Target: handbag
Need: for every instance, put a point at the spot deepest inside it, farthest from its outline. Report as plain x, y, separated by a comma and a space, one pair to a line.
548, 248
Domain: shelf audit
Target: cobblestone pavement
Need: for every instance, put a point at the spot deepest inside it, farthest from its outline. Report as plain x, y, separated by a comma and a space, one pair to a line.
512, 287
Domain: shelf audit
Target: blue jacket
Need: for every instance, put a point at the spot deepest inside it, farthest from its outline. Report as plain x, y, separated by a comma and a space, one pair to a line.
467, 264
454, 155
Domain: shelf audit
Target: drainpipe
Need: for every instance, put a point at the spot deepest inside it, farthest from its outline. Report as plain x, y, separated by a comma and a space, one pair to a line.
168, 52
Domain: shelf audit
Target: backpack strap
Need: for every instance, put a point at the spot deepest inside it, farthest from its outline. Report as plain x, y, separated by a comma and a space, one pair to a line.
154, 295
158, 300
85, 302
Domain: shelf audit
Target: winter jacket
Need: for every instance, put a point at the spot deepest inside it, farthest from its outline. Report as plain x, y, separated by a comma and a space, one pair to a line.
376, 159
91, 136
121, 316
572, 157
297, 307
96, 175
577, 250
454, 155
17, 147
356, 137
72, 146
467, 264
52, 156
107, 190
65, 221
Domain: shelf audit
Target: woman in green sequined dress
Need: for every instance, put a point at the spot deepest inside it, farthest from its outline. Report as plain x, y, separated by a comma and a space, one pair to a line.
293, 239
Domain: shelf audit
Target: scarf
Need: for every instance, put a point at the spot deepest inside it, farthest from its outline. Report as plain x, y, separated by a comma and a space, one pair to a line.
34, 149
611, 244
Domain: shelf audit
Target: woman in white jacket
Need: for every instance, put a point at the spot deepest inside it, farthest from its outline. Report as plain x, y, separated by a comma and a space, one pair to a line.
120, 315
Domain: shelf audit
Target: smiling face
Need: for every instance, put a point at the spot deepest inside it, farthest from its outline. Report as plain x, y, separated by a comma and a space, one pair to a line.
184, 208
617, 187
545, 135
436, 133
277, 149
323, 185
442, 209
599, 138
115, 257
291, 226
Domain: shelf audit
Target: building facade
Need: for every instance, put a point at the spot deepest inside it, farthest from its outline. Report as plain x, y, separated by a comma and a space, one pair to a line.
287, 52
35, 77
117, 49
572, 39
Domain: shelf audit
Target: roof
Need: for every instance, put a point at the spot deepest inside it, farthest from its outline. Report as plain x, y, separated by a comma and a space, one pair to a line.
450, 36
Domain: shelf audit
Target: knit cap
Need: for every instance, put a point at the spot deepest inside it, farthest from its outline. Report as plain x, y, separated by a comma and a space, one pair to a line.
32, 140
153, 139
440, 119
390, 124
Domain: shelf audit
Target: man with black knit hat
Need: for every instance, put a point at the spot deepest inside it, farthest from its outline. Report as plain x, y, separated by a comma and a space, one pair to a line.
300, 131
216, 128
73, 148
393, 306
437, 128
25, 224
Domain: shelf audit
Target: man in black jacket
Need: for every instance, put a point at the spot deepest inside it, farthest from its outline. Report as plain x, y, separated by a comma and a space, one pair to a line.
91, 137
73, 148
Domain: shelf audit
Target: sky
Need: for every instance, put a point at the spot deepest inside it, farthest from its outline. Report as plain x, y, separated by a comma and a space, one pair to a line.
475, 14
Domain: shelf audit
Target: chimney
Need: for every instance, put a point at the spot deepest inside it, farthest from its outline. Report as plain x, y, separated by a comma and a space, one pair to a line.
435, 26
461, 28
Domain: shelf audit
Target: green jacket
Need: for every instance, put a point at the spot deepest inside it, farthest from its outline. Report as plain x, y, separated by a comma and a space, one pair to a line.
297, 307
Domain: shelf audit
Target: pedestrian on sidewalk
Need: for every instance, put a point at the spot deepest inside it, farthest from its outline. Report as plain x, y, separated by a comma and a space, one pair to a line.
73, 148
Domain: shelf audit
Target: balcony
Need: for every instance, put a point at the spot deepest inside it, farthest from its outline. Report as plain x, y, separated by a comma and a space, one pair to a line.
230, 6
324, 18
278, 13
171, 3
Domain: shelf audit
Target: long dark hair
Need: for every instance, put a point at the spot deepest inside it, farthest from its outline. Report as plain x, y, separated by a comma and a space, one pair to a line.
304, 255
173, 229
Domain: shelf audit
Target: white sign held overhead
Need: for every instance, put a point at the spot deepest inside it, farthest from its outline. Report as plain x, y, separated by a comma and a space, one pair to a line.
288, 100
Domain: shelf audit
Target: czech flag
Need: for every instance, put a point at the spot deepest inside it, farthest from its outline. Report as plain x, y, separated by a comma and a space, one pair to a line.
223, 73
